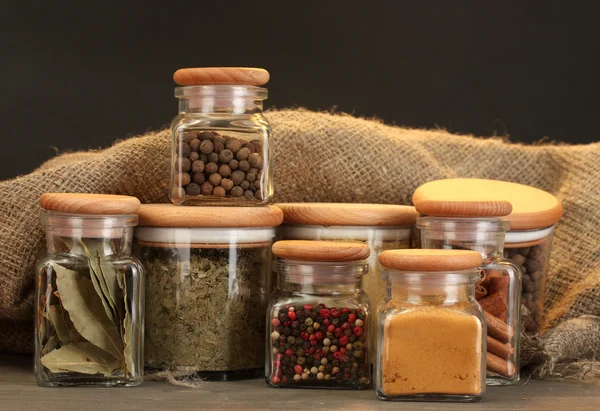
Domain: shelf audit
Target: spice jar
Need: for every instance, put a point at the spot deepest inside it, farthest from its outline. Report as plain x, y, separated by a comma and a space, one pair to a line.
208, 278
462, 215
89, 311
222, 143
318, 318
380, 226
431, 341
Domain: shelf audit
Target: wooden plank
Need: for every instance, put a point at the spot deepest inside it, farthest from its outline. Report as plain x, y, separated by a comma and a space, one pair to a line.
18, 390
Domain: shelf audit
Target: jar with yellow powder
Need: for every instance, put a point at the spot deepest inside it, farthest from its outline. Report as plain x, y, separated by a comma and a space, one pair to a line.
431, 340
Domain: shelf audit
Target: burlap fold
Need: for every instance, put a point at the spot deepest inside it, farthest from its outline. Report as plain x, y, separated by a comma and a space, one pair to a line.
338, 158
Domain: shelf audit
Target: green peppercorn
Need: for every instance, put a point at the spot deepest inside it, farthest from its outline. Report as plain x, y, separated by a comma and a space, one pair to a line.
308, 321
310, 330
301, 360
291, 339
336, 322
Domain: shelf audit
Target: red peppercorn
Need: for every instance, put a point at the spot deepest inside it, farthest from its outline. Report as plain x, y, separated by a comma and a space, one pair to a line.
344, 340
289, 352
326, 322
351, 318
358, 331
298, 369
346, 375
321, 352
276, 364
278, 356
345, 310
287, 324
338, 355
317, 357
318, 335
308, 307
346, 326
335, 312
325, 313
281, 343
339, 332
331, 328
313, 342
275, 380
292, 315
311, 337
304, 335
311, 350
275, 322
284, 379
343, 350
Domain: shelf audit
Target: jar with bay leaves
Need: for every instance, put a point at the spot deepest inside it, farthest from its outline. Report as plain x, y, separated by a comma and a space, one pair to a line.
209, 277
89, 313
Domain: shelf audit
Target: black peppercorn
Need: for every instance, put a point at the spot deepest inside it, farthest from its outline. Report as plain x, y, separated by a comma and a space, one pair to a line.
303, 327
296, 332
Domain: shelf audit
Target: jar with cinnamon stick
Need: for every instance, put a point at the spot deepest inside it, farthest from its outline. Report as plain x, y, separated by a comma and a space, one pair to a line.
462, 214
431, 341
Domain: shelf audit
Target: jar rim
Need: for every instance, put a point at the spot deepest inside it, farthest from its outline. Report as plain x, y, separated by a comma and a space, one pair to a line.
54, 219
335, 268
463, 224
221, 91
432, 278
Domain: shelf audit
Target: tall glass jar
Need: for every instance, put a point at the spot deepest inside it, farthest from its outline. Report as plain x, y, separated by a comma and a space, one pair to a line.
209, 277
222, 143
318, 318
498, 292
89, 311
431, 340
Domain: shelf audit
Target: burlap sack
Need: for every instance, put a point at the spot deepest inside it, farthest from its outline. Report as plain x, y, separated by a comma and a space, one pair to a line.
339, 158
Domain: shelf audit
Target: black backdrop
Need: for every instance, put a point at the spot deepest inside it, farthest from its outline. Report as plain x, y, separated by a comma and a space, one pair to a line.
79, 75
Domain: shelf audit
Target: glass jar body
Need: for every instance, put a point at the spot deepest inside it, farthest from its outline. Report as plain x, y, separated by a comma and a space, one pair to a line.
318, 333
431, 341
533, 259
499, 291
89, 311
221, 147
206, 302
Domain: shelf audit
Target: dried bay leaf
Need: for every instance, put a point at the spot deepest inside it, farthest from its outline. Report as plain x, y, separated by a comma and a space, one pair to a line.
50, 345
86, 311
82, 357
128, 334
63, 326
98, 280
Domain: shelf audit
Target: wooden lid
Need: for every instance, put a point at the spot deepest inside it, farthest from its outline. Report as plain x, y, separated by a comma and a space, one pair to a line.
525, 207
98, 204
325, 251
430, 260
243, 76
169, 215
347, 214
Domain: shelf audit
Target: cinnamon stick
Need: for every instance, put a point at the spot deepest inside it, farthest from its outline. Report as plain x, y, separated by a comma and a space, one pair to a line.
500, 366
495, 304
502, 350
499, 285
497, 328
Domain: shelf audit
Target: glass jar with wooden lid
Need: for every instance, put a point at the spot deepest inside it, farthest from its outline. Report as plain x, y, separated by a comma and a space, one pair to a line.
466, 214
222, 142
318, 318
208, 279
89, 311
431, 341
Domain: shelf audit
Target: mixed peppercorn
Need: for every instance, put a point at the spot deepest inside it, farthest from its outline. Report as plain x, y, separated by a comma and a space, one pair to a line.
319, 345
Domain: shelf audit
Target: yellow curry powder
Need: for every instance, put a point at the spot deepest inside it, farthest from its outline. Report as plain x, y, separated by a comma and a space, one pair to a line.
432, 350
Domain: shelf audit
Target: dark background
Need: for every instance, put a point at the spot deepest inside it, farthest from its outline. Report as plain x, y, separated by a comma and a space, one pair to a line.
79, 75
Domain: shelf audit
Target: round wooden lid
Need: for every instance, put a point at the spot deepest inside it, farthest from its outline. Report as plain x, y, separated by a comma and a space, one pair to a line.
525, 207
97, 204
170, 215
324, 251
242, 76
430, 260
347, 214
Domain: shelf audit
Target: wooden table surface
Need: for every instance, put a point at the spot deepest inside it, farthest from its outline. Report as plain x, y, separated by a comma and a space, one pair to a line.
18, 391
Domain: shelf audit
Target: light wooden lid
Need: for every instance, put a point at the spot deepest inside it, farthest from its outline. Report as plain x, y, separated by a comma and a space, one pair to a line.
347, 214
170, 215
324, 251
430, 260
525, 207
97, 204
243, 76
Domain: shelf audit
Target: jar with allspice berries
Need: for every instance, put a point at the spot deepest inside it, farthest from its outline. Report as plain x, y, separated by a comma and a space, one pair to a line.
222, 142
318, 318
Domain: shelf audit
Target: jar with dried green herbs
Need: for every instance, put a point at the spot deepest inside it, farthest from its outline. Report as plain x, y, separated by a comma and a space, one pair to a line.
89, 313
209, 276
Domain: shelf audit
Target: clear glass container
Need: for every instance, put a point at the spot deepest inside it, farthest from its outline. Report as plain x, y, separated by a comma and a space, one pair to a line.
318, 326
221, 147
498, 292
89, 312
431, 344
530, 250
207, 291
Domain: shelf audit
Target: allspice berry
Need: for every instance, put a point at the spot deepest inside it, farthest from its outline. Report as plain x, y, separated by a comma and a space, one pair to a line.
184, 149
183, 164
188, 136
227, 184
255, 160
218, 146
184, 179
258, 195
198, 166
219, 192
199, 178
215, 179
244, 165
203, 158
245, 184
207, 188
206, 135
206, 147
237, 176
250, 177
249, 194
211, 168
213, 157
195, 144
237, 191
194, 156
224, 170
234, 144
233, 164
250, 147
192, 189
242, 154
225, 156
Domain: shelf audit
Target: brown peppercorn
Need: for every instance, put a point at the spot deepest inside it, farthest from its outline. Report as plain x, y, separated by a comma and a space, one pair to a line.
252, 188
244, 165
233, 164
242, 154
199, 178
195, 144
206, 147
198, 166
218, 146
213, 158
234, 144
258, 195
227, 184
219, 192
184, 149
184, 179
250, 177
245, 184
253, 170
250, 147
192, 189
211, 168
255, 160
237, 177
203, 158
194, 156
207, 188
249, 194
224, 170
257, 145
237, 191
257, 184
183, 164
225, 156
215, 179
206, 135
188, 136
